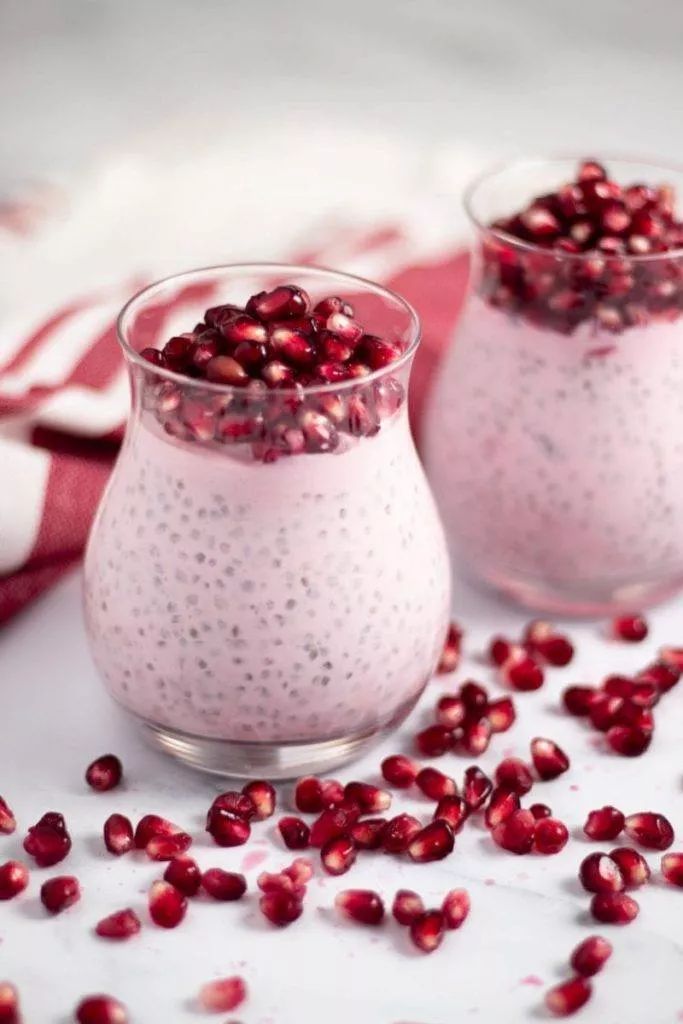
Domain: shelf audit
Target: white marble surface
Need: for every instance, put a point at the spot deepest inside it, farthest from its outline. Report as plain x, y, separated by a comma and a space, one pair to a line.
528, 913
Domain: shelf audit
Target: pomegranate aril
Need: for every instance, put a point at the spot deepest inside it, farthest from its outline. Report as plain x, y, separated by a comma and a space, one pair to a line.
217, 315
377, 352
8, 822
407, 906
476, 736
59, 893
604, 711
540, 811
167, 847
501, 714
361, 905
262, 796
240, 804
450, 711
48, 842
338, 855
664, 675
295, 833
453, 810
502, 804
427, 931
281, 908
614, 908
512, 773
308, 795
9, 1004
604, 824
516, 832
281, 303
549, 759
226, 370
499, 650
672, 868
651, 830
244, 330
633, 867
591, 955
224, 885
455, 908
673, 657
521, 671
345, 328
599, 873
434, 784
150, 826
476, 787
556, 650
370, 799
400, 771
368, 834
475, 698
331, 824
101, 1009
222, 995
399, 832
629, 740
577, 699
632, 628
184, 874
300, 871
277, 374
104, 773
591, 170
13, 879
118, 834
177, 353
450, 655
551, 836
434, 741
227, 829
333, 304
293, 346
120, 925
167, 906
434, 842
332, 793
568, 997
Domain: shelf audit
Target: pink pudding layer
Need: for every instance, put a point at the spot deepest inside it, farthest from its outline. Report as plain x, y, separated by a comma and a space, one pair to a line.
558, 460
289, 600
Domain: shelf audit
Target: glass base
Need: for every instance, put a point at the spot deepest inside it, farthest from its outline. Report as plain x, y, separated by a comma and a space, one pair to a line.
270, 760
583, 600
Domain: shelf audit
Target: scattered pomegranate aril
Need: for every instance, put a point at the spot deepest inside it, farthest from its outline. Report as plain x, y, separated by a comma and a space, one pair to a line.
427, 931
333, 823
400, 771
150, 826
540, 811
370, 799
501, 714
475, 698
281, 303
338, 855
549, 759
105, 773
450, 711
101, 1009
599, 873
568, 997
453, 810
308, 795
118, 834
591, 955
121, 925
184, 874
555, 650
672, 868
631, 628
300, 871
633, 867
13, 879
167, 847
222, 995
551, 836
227, 829
476, 736
604, 824
662, 674
455, 908
263, 797
499, 650
361, 905
577, 700
502, 804
434, 842
295, 833
434, 784
8, 822
399, 832
521, 671
167, 906
332, 793
59, 893
629, 740
614, 908
226, 886
434, 741
368, 834
512, 773
516, 832
450, 655
476, 788
673, 657
9, 1004
240, 804
651, 830
407, 906
48, 841
605, 711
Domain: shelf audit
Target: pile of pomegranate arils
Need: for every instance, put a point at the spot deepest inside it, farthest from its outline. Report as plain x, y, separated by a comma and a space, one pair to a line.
279, 342
344, 822
582, 267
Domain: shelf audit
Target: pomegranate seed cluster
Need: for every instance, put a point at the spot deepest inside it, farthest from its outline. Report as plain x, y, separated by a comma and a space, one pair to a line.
346, 822
269, 353
581, 268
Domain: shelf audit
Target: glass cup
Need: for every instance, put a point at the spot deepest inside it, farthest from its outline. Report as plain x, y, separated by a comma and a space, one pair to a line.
267, 580
554, 436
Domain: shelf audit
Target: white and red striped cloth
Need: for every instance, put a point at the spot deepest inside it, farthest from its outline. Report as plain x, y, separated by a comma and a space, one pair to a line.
64, 392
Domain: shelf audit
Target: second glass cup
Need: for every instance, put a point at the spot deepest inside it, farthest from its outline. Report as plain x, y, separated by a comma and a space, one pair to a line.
267, 581
554, 439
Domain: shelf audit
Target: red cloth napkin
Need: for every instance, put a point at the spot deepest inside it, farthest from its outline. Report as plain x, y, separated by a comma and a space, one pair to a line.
58, 440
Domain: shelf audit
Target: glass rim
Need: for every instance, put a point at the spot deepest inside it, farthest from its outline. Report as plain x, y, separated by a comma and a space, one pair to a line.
492, 170
134, 357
